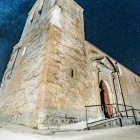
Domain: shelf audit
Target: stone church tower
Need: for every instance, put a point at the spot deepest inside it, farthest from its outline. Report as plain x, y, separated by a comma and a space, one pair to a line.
54, 73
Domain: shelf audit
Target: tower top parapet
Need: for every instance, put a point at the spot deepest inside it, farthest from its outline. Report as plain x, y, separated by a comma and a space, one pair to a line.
54, 1
35, 5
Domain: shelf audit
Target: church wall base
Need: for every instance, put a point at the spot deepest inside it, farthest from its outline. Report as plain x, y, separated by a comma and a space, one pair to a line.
44, 119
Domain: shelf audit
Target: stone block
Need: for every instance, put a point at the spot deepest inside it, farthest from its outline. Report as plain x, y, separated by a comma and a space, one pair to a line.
41, 87
56, 57
53, 70
53, 88
51, 78
68, 72
76, 74
53, 63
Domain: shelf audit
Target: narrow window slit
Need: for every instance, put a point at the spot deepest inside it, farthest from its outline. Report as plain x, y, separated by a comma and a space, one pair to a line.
72, 73
39, 12
32, 18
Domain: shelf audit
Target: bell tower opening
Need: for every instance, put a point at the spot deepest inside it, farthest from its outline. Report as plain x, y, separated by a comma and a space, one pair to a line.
105, 100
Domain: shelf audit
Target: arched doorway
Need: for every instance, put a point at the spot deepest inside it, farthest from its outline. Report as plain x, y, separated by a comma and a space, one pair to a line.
105, 100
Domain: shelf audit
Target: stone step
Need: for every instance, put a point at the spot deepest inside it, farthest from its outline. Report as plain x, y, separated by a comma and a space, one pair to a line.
111, 123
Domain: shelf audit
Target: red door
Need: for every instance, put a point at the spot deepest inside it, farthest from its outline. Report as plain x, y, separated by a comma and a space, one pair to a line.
105, 100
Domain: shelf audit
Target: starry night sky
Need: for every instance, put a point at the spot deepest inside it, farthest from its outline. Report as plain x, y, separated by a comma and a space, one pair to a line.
111, 25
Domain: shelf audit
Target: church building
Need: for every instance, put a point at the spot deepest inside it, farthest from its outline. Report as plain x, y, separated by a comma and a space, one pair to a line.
53, 73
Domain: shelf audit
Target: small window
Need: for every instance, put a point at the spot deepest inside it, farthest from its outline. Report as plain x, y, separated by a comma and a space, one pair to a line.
32, 17
40, 9
72, 73
8, 77
31, 20
39, 12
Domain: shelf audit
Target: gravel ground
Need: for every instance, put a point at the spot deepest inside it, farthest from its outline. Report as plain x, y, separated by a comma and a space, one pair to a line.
10, 131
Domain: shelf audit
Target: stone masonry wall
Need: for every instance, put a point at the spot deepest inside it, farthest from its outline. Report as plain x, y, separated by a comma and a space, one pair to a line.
130, 82
19, 94
61, 96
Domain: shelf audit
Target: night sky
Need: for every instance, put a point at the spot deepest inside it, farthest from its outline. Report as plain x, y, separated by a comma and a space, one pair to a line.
111, 25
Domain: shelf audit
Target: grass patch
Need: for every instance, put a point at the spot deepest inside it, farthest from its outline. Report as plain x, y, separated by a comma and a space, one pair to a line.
21, 124
35, 127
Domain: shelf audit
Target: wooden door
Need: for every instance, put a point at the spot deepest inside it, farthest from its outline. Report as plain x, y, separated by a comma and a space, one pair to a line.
105, 100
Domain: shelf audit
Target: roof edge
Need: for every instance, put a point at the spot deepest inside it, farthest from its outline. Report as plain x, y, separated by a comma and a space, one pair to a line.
111, 58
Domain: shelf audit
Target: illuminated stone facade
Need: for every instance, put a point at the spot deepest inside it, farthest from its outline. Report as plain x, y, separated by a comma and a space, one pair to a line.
53, 72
